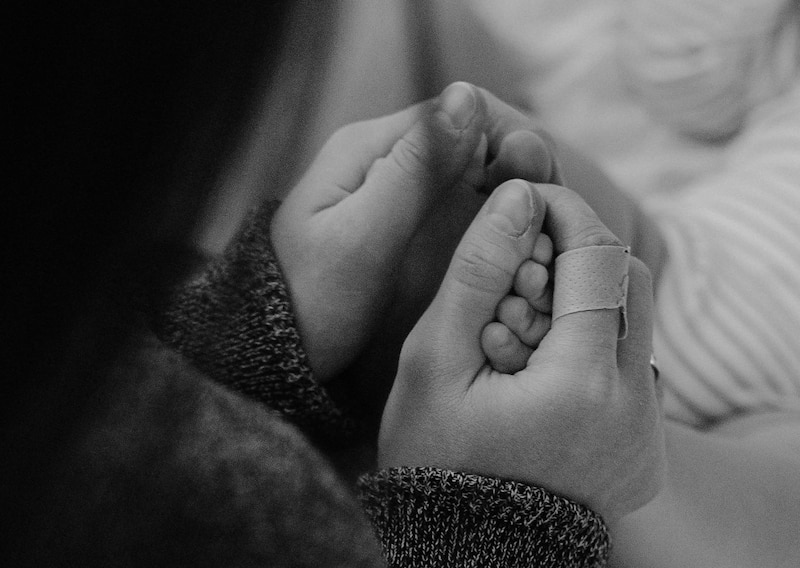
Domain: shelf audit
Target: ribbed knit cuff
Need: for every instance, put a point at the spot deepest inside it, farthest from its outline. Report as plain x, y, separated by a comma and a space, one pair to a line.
427, 517
235, 323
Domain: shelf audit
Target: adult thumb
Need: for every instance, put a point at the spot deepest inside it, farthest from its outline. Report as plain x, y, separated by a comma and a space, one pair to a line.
481, 273
429, 159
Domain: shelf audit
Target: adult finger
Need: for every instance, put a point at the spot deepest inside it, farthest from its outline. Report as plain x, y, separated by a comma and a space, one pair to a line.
424, 163
345, 158
349, 154
571, 223
503, 125
586, 322
522, 154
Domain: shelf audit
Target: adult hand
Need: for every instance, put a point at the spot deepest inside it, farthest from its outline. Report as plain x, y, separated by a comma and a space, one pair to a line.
582, 419
342, 234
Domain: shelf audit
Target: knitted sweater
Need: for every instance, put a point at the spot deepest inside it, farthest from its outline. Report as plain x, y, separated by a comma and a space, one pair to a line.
177, 470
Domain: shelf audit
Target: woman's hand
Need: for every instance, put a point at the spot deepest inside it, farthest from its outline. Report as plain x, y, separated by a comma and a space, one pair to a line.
386, 198
582, 420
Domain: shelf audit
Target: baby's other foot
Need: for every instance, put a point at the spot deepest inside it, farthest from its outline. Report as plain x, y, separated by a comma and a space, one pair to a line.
523, 318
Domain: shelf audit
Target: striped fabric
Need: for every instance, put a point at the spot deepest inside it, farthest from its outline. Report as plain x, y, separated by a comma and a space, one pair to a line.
727, 331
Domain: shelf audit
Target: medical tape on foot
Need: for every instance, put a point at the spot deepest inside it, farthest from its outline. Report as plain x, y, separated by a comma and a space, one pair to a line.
592, 278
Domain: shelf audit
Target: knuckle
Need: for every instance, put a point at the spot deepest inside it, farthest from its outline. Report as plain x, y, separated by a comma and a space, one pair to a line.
475, 267
594, 233
599, 391
410, 153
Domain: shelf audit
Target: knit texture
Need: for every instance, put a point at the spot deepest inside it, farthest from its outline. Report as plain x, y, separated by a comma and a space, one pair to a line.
235, 323
430, 517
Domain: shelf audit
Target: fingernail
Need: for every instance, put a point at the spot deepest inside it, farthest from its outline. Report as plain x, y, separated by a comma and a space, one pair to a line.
514, 202
459, 104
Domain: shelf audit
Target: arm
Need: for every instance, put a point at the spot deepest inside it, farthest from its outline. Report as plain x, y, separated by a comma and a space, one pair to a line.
700, 66
503, 522
434, 517
170, 468
731, 499
499, 521
581, 420
215, 320
235, 322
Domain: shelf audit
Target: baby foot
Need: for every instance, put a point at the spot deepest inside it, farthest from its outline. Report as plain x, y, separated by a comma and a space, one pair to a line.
523, 318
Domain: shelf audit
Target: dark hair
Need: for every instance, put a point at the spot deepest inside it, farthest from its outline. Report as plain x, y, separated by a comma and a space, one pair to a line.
128, 110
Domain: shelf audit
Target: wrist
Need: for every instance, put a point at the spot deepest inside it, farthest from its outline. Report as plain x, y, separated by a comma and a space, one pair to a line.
438, 517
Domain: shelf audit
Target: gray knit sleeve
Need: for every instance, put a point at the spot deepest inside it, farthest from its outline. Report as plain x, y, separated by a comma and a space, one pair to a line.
427, 517
234, 321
